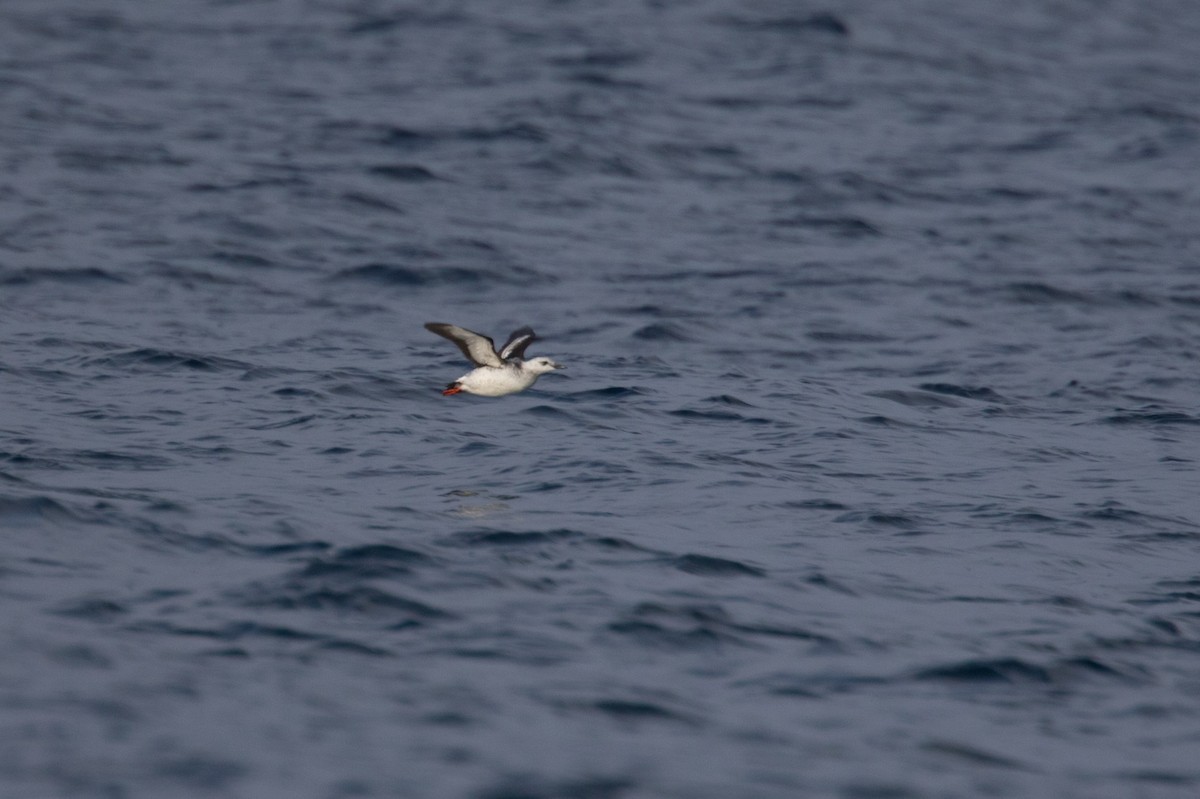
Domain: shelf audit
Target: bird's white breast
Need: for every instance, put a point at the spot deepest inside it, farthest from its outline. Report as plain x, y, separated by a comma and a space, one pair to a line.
489, 381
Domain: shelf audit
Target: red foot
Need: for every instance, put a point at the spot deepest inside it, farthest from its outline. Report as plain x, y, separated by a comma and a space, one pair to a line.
451, 390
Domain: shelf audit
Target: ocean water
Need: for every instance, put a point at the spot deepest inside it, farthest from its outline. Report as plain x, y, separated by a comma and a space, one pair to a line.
872, 474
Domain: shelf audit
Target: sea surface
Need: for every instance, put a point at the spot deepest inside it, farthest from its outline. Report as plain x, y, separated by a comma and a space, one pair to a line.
872, 474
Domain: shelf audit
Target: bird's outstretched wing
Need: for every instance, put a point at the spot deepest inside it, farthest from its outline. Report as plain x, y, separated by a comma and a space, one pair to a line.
478, 348
517, 342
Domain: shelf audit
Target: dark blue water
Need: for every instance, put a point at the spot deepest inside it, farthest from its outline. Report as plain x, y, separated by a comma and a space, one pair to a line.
872, 476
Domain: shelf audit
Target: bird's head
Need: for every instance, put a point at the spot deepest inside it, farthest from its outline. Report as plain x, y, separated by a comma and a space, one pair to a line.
540, 366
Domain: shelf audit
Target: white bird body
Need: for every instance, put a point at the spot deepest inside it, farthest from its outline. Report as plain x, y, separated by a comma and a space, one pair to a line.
497, 372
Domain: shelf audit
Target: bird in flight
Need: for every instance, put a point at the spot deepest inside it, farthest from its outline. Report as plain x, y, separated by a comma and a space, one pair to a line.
496, 372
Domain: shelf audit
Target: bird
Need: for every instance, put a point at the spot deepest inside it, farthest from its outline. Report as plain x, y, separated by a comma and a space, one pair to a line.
497, 372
